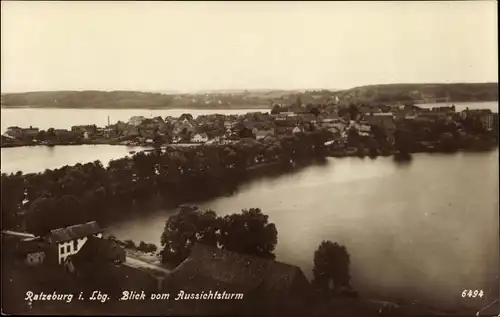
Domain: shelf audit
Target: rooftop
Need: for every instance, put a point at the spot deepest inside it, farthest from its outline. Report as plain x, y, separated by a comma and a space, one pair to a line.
21, 235
209, 266
74, 232
383, 114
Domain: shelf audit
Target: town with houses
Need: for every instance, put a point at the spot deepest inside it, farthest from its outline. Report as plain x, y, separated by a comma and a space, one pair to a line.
284, 119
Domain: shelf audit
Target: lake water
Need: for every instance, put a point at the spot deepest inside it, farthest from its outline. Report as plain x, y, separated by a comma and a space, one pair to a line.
459, 106
34, 159
427, 229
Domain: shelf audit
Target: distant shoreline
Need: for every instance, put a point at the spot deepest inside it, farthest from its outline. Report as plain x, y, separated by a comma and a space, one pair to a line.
249, 99
252, 107
247, 107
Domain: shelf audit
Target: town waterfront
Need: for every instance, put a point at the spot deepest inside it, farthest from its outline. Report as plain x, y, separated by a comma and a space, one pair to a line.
44, 118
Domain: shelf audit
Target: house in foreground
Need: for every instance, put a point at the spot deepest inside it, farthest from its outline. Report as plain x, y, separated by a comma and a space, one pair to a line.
94, 255
53, 248
71, 239
24, 247
260, 286
103, 264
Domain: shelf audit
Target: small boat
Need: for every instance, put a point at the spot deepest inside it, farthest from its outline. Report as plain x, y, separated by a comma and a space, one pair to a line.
131, 152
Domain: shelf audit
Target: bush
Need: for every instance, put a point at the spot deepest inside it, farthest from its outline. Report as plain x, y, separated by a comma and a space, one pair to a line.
130, 244
147, 247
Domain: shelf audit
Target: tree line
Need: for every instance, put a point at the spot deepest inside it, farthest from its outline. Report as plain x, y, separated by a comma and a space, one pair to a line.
83, 192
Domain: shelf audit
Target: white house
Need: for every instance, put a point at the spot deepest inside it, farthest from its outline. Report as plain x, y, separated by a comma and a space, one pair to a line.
363, 127
70, 240
199, 138
136, 120
14, 132
5, 135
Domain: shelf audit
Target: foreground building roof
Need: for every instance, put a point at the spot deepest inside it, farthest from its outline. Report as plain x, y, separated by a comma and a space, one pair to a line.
266, 285
74, 232
209, 266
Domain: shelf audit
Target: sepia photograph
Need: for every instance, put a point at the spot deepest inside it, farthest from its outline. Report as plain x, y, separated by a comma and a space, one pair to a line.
250, 158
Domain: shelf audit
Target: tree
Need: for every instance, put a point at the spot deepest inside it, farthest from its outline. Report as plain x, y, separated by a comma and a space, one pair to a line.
403, 141
276, 109
246, 133
40, 216
130, 244
48, 213
331, 267
185, 135
373, 146
353, 111
12, 191
184, 229
378, 133
448, 142
343, 112
68, 211
353, 137
315, 111
50, 135
158, 140
146, 247
250, 233
41, 135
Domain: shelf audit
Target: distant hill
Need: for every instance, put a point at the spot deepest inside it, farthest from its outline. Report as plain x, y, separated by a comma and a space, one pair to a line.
247, 99
421, 93
248, 91
123, 100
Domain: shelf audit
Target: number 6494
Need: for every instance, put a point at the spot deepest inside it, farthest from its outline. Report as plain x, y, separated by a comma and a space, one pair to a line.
469, 293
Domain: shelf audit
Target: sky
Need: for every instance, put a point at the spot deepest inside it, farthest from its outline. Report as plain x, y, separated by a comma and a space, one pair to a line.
192, 46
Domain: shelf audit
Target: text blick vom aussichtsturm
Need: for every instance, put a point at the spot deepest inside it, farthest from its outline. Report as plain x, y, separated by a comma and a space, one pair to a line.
132, 295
